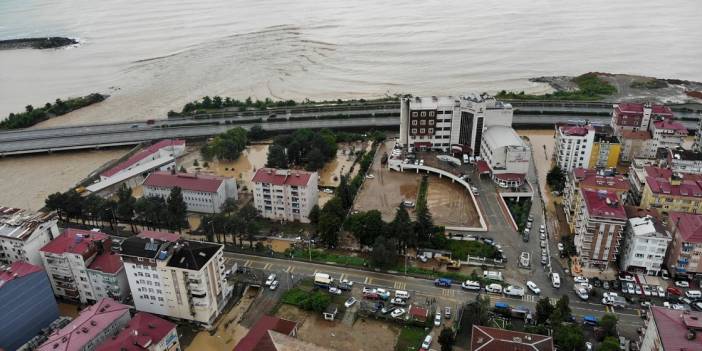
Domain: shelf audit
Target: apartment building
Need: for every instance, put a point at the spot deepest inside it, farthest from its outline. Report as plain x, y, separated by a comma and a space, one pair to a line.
590, 179
668, 191
506, 156
606, 149
201, 193
27, 304
283, 194
177, 278
697, 145
144, 332
82, 267
634, 145
637, 117
683, 161
686, 248
574, 146
645, 243
441, 123
665, 133
92, 327
598, 227
24, 233
669, 329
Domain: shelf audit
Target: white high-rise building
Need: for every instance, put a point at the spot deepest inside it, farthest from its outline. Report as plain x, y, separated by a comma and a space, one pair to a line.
201, 192
645, 243
178, 278
24, 233
574, 146
450, 122
283, 194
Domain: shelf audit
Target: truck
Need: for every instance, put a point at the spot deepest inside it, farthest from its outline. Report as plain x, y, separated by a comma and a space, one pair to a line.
443, 282
493, 275
323, 280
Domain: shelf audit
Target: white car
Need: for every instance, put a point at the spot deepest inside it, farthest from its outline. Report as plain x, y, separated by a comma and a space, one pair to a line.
397, 312
398, 301
542, 236
661, 291
542, 228
532, 286
682, 284
561, 247
335, 291
647, 290
494, 288
470, 285
370, 176
666, 304
367, 290
638, 290
274, 285
426, 344
437, 319
543, 244
328, 191
347, 282
630, 288
516, 291
350, 302
271, 279
693, 294
581, 279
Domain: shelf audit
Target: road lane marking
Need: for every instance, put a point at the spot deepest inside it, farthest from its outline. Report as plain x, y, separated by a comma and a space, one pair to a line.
287, 270
292, 270
365, 281
369, 280
341, 277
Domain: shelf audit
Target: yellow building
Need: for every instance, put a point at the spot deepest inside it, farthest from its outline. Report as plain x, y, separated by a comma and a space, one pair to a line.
605, 152
668, 192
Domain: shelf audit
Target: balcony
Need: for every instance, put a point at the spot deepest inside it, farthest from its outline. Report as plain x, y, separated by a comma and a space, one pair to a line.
62, 278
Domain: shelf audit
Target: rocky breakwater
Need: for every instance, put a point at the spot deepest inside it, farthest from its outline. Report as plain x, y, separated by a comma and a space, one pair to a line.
36, 43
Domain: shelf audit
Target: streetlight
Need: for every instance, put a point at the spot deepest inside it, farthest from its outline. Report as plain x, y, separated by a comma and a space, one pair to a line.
405, 259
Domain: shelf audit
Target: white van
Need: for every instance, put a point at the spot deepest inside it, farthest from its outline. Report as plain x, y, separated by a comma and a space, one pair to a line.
556, 280
402, 294
492, 275
470, 285
493, 288
693, 294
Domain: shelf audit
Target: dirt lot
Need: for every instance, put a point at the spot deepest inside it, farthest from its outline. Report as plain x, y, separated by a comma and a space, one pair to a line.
450, 204
330, 174
368, 335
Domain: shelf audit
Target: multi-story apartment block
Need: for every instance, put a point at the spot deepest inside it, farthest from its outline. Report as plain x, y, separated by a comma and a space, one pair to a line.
668, 329
683, 161
441, 123
606, 149
144, 332
598, 227
27, 304
82, 267
686, 249
201, 192
282, 194
177, 278
590, 179
23, 234
668, 191
506, 156
94, 325
665, 133
645, 243
634, 145
574, 146
697, 145
637, 117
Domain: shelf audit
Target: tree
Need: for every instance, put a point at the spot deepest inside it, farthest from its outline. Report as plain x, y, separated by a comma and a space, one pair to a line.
314, 215
562, 312
315, 160
229, 206
343, 191
330, 219
366, 226
609, 343
125, 205
544, 309
609, 325
384, 254
228, 145
177, 209
56, 202
401, 228
556, 179
446, 339
277, 157
569, 337
257, 133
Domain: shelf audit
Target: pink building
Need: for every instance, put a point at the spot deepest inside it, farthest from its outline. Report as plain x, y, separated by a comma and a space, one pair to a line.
685, 250
144, 332
598, 227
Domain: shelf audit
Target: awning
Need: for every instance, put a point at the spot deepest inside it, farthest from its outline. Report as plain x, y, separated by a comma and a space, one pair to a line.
483, 167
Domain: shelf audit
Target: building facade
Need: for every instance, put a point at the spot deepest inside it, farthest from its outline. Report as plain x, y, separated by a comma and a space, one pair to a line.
440, 123
598, 227
637, 117
669, 329
82, 267
606, 150
590, 179
683, 161
177, 278
634, 145
645, 243
201, 193
667, 191
144, 332
686, 248
574, 146
282, 194
23, 234
506, 155
665, 133
92, 327
27, 303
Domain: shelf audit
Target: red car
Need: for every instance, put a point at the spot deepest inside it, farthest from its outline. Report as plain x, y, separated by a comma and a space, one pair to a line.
674, 291
371, 296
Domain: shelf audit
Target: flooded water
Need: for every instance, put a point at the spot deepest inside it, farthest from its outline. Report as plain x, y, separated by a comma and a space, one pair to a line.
543, 145
332, 171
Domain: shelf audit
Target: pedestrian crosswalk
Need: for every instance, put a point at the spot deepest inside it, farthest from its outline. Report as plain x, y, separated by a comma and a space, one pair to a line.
400, 285
448, 292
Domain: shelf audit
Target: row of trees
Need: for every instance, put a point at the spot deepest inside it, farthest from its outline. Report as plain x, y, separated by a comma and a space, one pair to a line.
218, 102
226, 146
556, 179
32, 115
304, 147
232, 222
149, 212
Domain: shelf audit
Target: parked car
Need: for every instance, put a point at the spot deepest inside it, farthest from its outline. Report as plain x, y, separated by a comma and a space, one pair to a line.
437, 319
638, 289
398, 302
561, 247
580, 279
693, 294
328, 191
674, 291
271, 279
348, 283
530, 219
408, 204
605, 285
493, 288
542, 228
543, 244
542, 236
426, 344
590, 320
470, 285
350, 302
274, 285
544, 259
443, 282
661, 292
533, 287
665, 275
387, 309
447, 312
515, 291
423, 258
370, 176
697, 306
397, 312
647, 290
334, 291
626, 277
682, 284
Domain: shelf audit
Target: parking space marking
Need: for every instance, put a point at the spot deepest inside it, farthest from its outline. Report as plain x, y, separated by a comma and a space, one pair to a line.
287, 270
400, 285
247, 263
341, 277
554, 300
448, 293
369, 280
292, 270
267, 266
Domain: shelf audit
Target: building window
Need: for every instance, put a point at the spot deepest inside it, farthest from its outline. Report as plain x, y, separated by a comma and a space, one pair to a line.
424, 113
431, 122
423, 122
431, 113
431, 130
421, 131
414, 130
414, 122
414, 114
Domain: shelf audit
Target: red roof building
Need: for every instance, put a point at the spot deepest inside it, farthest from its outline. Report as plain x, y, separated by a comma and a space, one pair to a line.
591, 179
599, 223
259, 338
686, 229
201, 192
494, 339
77, 241
281, 177
670, 329
17, 270
285, 194
186, 181
163, 236
633, 115
144, 332
148, 154
418, 312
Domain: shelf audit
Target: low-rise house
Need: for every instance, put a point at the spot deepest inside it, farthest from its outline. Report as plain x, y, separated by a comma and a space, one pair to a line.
261, 335
669, 329
201, 192
598, 226
418, 313
645, 243
686, 248
665, 133
94, 325
24, 233
330, 312
282, 194
144, 332
495, 339
27, 303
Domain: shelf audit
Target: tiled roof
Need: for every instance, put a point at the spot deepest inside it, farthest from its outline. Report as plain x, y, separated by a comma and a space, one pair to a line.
418, 312
281, 177
258, 338
603, 203
510, 176
185, 181
141, 155
687, 225
659, 180
668, 123
661, 110
638, 135
575, 130
658, 172
494, 339
108, 262
75, 241
628, 107
482, 166
589, 178
163, 236
673, 327
143, 331
18, 269
90, 322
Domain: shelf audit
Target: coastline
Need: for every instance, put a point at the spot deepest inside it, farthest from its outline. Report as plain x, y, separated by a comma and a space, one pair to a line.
37, 43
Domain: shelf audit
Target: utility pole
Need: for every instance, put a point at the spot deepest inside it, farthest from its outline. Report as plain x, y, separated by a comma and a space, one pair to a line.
405, 259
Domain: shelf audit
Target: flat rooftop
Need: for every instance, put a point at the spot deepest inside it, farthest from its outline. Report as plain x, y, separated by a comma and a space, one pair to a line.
20, 224
185, 254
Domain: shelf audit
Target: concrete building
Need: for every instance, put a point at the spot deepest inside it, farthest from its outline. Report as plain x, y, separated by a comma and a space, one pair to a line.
82, 267
598, 227
574, 146
506, 155
27, 304
495, 339
591, 179
634, 145
697, 145
637, 117
177, 278
448, 122
683, 161
665, 133
606, 149
144, 332
282, 194
668, 191
260, 335
645, 243
24, 233
686, 248
201, 193
92, 327
668, 329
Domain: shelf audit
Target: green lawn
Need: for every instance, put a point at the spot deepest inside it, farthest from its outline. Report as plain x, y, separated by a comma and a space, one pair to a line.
462, 248
410, 339
590, 88
323, 256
